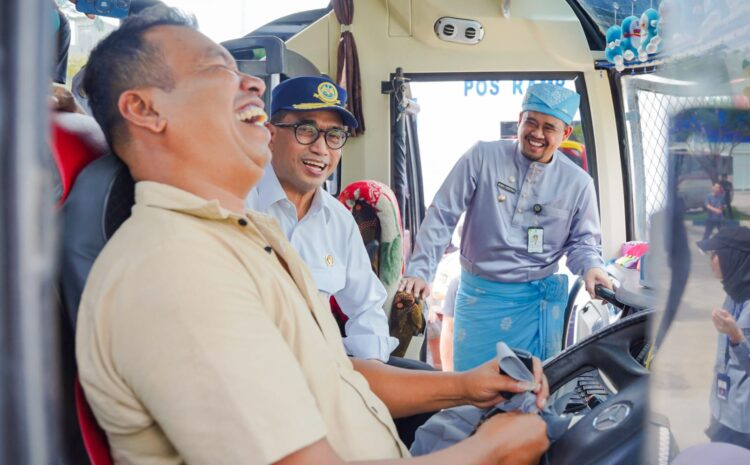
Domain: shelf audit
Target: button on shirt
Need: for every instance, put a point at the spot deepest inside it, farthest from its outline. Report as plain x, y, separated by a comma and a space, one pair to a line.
328, 240
495, 234
196, 345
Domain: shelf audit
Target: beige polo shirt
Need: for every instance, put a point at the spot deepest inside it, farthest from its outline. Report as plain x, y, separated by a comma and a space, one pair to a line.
195, 345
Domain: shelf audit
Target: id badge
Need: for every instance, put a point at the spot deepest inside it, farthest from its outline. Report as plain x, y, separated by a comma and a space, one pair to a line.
535, 239
722, 386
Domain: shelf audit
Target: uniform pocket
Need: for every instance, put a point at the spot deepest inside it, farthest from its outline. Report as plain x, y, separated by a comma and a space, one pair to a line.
556, 224
330, 279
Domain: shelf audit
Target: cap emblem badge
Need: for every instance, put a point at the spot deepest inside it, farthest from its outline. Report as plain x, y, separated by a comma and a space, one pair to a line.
327, 93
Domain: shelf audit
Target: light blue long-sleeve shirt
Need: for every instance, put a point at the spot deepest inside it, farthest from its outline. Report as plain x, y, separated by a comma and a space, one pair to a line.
495, 234
328, 240
734, 361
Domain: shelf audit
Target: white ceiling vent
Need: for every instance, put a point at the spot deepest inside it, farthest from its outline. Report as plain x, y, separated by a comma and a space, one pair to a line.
462, 31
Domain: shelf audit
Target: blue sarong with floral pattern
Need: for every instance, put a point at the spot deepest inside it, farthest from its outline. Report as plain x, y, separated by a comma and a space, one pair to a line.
526, 316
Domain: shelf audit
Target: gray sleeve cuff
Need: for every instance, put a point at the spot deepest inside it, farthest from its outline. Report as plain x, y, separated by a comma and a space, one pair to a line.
742, 352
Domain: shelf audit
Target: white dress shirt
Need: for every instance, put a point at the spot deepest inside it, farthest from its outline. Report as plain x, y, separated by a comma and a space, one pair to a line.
328, 240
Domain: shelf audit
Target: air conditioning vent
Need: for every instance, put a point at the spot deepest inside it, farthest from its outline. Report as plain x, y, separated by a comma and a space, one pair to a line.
462, 31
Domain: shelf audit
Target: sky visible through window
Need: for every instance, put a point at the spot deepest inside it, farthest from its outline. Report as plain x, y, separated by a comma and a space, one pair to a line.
230, 19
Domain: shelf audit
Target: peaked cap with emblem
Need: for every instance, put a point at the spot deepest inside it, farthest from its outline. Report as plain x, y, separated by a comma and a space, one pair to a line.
552, 100
311, 93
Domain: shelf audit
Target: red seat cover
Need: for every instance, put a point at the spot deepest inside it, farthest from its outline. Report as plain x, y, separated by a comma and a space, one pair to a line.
94, 438
77, 140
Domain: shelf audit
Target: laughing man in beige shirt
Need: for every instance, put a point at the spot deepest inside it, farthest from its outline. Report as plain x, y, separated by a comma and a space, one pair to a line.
201, 336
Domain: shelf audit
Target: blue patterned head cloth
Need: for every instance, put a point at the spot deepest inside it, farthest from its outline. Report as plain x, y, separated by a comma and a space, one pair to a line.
552, 100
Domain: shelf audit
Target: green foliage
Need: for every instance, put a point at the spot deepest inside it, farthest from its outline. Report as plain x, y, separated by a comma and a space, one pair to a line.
577, 134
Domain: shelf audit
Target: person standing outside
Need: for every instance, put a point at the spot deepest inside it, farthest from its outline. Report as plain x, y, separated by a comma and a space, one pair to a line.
309, 123
728, 188
526, 206
715, 206
729, 252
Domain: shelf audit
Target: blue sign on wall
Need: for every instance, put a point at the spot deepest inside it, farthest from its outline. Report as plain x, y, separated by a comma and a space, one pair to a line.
484, 88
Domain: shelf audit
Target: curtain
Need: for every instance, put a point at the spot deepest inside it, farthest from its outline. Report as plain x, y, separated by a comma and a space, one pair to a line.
347, 70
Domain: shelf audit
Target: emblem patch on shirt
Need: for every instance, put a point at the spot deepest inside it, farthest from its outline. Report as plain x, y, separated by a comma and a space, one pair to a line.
506, 187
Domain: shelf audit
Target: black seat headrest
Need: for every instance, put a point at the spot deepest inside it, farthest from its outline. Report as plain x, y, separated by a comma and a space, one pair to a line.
100, 201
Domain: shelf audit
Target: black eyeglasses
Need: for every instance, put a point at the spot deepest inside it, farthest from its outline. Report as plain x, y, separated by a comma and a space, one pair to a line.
307, 134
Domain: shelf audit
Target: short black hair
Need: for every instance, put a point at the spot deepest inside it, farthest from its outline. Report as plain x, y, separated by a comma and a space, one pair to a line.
125, 60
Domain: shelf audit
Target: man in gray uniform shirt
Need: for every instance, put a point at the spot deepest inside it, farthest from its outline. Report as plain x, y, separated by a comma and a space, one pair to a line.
526, 206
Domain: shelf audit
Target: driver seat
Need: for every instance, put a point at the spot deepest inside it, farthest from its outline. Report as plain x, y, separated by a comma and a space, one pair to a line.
98, 203
94, 438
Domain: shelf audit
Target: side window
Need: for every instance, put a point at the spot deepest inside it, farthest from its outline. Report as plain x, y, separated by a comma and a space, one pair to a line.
650, 103
456, 114
83, 35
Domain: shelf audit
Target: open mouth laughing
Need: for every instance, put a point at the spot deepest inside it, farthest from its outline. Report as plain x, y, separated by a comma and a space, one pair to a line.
315, 166
251, 114
536, 143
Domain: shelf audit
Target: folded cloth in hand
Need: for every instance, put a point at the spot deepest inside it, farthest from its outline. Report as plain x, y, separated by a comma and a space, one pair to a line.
452, 425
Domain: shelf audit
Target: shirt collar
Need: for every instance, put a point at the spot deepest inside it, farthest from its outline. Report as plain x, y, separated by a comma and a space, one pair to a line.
271, 192
154, 194
167, 197
269, 189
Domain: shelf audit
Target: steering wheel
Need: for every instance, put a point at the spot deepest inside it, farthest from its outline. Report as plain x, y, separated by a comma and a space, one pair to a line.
612, 433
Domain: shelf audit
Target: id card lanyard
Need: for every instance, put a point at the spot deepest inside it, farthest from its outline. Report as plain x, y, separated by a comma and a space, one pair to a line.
535, 234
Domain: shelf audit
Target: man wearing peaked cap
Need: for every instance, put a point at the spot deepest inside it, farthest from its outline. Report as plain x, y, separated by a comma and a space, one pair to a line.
308, 93
309, 123
526, 206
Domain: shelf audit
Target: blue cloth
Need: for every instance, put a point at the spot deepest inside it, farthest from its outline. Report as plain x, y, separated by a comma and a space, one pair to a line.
525, 316
552, 100
312, 93
494, 237
452, 425
337, 259
55, 18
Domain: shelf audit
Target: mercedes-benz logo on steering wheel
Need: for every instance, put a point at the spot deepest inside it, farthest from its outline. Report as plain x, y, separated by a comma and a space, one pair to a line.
611, 416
